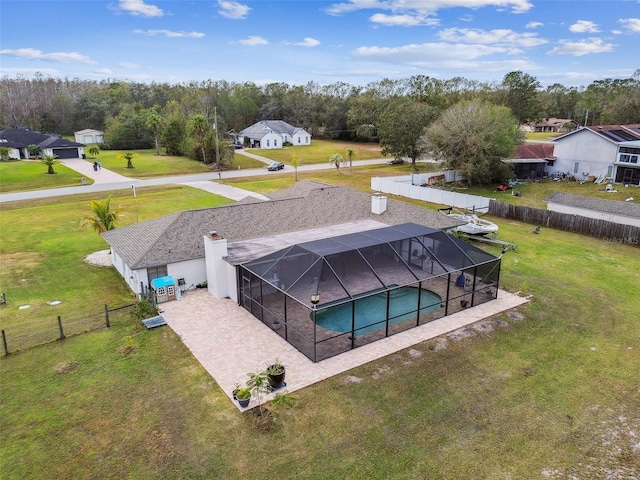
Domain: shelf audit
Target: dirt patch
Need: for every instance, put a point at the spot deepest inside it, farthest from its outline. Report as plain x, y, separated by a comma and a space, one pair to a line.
461, 333
352, 379
15, 264
99, 259
66, 367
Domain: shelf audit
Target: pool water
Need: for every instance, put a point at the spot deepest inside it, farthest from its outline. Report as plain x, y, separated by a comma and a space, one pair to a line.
370, 314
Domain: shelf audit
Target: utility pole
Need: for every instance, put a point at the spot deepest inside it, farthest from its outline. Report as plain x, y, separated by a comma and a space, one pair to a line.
215, 127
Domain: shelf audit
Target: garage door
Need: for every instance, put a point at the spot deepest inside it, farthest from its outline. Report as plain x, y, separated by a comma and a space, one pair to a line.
66, 152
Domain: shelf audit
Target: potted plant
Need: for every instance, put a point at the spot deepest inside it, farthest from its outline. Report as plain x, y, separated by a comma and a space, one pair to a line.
242, 395
275, 373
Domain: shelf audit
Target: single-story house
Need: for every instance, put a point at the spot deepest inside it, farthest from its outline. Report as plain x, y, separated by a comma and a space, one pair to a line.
312, 251
88, 136
269, 134
554, 125
625, 213
532, 160
610, 152
19, 139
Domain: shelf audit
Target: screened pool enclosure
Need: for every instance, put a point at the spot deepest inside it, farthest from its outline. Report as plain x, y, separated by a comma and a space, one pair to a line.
332, 295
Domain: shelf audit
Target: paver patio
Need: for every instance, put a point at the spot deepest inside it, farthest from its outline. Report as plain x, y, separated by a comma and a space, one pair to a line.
229, 342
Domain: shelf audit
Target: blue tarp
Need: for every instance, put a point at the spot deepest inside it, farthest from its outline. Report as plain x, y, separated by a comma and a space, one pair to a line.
163, 281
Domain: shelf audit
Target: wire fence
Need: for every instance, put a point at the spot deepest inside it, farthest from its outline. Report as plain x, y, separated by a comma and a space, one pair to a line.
61, 328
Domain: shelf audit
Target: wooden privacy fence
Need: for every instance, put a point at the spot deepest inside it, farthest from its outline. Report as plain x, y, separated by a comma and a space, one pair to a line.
60, 329
608, 231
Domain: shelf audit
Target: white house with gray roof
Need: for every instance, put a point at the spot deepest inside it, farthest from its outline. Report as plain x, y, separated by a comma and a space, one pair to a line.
182, 244
270, 134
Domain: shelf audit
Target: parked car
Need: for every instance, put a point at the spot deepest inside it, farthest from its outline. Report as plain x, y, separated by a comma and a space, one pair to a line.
275, 166
236, 145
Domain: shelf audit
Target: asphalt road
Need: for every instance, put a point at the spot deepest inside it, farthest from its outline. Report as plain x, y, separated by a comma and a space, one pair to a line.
106, 180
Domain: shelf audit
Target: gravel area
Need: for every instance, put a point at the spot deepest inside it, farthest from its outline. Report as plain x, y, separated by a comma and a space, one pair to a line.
100, 259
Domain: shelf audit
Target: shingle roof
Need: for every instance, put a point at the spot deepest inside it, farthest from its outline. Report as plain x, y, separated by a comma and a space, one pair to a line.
259, 129
535, 150
23, 137
629, 209
179, 237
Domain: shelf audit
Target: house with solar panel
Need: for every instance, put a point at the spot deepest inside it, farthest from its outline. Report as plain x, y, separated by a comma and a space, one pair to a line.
270, 134
328, 268
605, 152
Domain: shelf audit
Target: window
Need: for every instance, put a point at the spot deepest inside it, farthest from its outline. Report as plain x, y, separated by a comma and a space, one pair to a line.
98, 138
156, 272
306, 139
267, 143
299, 139
160, 291
87, 139
576, 167
275, 143
610, 171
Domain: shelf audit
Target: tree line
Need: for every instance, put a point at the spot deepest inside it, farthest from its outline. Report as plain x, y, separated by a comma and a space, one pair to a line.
338, 110
192, 118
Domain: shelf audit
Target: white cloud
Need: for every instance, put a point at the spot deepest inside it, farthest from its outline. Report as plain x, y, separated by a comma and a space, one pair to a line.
534, 25
169, 33
139, 8
424, 6
403, 20
583, 47
632, 24
233, 10
417, 54
254, 40
103, 71
584, 26
29, 71
130, 65
499, 37
61, 57
308, 42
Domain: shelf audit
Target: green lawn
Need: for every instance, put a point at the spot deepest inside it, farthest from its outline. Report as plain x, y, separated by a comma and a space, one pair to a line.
320, 151
550, 394
32, 175
43, 249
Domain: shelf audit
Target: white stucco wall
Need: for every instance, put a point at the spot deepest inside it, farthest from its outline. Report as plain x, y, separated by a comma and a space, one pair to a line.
193, 272
593, 153
585, 212
221, 278
270, 141
301, 138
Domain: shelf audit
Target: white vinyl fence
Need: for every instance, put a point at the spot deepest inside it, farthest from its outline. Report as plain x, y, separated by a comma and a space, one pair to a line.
410, 186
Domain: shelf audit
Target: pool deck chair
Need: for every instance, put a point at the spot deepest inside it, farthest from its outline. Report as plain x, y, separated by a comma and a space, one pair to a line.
154, 322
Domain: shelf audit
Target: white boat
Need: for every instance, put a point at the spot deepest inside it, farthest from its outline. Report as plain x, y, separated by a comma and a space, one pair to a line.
474, 225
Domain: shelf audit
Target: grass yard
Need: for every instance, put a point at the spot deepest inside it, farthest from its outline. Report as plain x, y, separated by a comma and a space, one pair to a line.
320, 151
43, 249
23, 175
552, 392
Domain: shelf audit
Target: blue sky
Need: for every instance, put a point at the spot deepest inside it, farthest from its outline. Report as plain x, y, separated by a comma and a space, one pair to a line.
354, 41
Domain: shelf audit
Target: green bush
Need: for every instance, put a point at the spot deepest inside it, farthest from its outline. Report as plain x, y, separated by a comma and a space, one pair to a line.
144, 309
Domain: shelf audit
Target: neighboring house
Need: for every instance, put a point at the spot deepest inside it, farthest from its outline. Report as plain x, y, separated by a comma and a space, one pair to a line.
554, 125
625, 213
605, 152
173, 245
339, 268
269, 134
19, 139
88, 136
532, 160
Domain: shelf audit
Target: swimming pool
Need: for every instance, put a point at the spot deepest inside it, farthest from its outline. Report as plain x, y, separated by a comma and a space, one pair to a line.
371, 312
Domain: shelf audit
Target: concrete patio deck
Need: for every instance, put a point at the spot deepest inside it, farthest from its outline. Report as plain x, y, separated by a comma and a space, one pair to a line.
229, 342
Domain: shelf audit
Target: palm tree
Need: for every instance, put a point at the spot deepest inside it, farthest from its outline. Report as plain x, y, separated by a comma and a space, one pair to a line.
199, 127
34, 150
350, 154
128, 156
103, 219
49, 161
154, 122
94, 151
4, 153
336, 159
